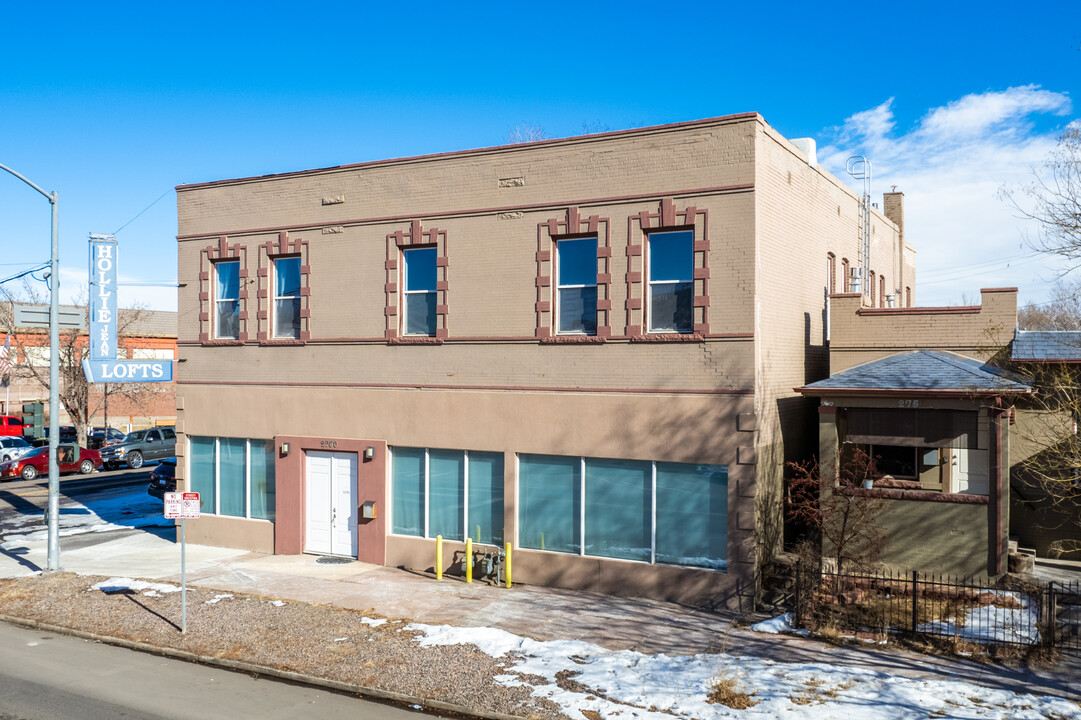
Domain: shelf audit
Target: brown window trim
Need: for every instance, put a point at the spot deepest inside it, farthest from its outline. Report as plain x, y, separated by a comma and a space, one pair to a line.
209, 255
549, 233
414, 237
268, 253
666, 218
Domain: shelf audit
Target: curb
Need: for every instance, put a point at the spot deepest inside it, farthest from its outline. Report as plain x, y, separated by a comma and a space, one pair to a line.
262, 671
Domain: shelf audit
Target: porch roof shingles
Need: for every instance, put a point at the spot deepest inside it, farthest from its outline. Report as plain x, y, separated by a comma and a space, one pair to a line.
921, 371
1047, 346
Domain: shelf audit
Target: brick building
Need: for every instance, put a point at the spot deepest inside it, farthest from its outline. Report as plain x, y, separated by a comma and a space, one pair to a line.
586, 347
145, 334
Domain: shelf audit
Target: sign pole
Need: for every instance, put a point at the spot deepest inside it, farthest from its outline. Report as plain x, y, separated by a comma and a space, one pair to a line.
181, 506
183, 578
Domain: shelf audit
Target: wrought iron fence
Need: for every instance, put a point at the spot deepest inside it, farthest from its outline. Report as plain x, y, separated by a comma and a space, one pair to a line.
876, 606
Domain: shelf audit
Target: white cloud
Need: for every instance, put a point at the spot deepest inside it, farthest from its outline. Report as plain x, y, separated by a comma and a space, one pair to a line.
951, 166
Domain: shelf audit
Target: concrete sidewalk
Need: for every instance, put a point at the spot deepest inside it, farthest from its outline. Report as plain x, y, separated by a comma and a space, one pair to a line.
542, 613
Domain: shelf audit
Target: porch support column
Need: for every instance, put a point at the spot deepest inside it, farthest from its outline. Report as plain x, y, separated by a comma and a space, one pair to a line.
998, 508
828, 441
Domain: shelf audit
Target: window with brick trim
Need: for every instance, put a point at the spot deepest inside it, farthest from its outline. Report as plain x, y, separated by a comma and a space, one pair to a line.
419, 293
670, 267
227, 299
870, 289
845, 280
287, 298
576, 286
882, 302
908, 296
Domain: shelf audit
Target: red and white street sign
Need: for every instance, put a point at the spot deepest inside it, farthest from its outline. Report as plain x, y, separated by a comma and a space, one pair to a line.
184, 506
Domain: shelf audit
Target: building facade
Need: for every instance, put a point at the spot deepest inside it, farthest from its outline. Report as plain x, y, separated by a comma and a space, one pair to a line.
585, 347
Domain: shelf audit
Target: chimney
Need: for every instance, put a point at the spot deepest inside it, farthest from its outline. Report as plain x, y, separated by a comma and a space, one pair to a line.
893, 205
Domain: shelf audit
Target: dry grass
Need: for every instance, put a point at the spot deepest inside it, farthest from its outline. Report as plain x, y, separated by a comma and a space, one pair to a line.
726, 689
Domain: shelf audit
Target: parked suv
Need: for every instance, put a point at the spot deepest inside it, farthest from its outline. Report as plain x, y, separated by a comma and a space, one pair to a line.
139, 446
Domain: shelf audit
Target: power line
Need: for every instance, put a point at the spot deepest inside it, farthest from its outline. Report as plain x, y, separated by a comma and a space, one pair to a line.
129, 222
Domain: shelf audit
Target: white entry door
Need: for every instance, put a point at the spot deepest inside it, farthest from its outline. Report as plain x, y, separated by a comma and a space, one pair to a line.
331, 482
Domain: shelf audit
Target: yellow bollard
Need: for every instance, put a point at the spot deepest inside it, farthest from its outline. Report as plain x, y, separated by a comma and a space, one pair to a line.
438, 557
507, 551
469, 560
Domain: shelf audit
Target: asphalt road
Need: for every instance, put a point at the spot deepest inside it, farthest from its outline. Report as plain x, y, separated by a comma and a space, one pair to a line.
32, 497
44, 676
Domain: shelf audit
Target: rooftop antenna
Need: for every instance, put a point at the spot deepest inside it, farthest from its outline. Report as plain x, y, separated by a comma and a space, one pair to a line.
859, 168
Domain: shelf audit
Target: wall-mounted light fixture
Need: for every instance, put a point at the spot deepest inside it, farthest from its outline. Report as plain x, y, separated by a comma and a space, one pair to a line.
369, 452
285, 449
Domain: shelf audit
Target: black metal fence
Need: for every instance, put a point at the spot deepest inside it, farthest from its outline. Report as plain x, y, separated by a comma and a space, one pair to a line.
876, 606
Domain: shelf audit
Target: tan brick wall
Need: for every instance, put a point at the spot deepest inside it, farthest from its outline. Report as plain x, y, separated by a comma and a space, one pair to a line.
859, 336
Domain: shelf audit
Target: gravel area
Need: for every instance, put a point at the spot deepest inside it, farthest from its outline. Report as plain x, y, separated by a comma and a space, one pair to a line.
316, 640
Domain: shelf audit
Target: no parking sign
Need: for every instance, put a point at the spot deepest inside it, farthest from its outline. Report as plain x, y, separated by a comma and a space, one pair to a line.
182, 506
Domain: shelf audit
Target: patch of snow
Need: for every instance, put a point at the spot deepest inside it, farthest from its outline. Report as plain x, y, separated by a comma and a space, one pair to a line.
1017, 623
218, 598
373, 622
119, 584
341, 639
277, 603
627, 685
779, 624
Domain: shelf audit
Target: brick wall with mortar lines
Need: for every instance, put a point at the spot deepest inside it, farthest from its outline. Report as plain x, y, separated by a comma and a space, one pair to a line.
859, 336
717, 153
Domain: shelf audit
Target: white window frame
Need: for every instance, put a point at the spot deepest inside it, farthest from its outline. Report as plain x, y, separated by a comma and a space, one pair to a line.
582, 517
217, 476
406, 292
276, 297
218, 300
561, 286
651, 283
427, 494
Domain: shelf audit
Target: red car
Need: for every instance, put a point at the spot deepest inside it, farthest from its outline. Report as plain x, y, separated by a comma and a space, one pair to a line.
72, 458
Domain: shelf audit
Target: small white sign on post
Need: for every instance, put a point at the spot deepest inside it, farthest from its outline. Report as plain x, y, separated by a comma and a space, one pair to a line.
182, 506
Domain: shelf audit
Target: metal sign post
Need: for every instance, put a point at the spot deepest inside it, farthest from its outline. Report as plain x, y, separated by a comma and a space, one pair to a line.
182, 506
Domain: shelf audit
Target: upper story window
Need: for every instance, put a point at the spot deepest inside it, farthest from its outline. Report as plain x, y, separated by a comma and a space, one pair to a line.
576, 286
671, 281
227, 299
287, 297
845, 275
420, 290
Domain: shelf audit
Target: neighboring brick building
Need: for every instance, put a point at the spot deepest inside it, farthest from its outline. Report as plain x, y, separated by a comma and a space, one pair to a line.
145, 334
585, 347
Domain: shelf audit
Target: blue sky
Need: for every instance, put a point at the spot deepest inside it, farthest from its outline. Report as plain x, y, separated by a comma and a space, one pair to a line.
114, 104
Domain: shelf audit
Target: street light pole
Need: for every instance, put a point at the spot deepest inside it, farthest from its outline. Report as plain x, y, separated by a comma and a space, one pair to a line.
54, 373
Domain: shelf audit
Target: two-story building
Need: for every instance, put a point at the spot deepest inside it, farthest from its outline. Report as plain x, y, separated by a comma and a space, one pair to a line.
585, 347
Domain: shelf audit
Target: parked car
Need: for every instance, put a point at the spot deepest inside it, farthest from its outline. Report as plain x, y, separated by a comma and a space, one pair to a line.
10, 425
163, 478
99, 437
12, 447
70, 458
139, 446
67, 436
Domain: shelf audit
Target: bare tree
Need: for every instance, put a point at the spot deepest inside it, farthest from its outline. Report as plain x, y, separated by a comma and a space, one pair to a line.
1053, 200
1047, 442
1062, 312
525, 132
74, 392
834, 506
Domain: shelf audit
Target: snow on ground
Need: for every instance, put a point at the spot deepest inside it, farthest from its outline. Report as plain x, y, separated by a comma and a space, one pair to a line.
1017, 622
134, 509
119, 584
627, 685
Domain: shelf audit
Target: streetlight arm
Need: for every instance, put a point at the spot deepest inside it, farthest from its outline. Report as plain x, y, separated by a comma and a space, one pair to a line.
50, 196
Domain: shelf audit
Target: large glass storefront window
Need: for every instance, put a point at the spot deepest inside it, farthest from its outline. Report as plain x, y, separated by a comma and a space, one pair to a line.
233, 476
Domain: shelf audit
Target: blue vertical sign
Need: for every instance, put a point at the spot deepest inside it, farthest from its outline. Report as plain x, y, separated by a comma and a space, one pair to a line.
102, 365
102, 297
